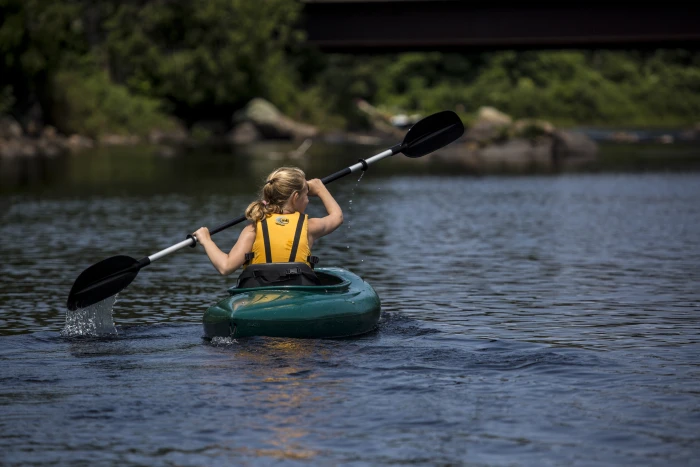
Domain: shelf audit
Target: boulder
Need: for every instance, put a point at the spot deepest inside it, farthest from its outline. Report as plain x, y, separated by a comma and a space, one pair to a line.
493, 116
49, 133
518, 154
178, 135
532, 128
9, 128
78, 142
119, 140
568, 145
271, 123
384, 125
490, 125
17, 147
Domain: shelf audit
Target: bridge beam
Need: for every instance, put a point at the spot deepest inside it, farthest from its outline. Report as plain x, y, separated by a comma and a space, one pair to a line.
464, 26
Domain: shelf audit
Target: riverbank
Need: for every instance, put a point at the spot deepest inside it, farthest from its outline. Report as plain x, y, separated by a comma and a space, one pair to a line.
493, 140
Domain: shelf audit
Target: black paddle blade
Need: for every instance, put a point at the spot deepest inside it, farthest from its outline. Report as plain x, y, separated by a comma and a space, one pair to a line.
432, 133
102, 280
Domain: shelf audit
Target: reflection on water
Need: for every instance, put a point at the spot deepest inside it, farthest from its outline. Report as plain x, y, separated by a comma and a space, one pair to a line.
124, 171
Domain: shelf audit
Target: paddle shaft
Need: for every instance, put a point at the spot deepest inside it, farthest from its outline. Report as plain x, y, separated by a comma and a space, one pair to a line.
363, 164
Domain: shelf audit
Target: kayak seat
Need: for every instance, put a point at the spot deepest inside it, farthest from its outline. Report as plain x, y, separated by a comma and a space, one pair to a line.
275, 274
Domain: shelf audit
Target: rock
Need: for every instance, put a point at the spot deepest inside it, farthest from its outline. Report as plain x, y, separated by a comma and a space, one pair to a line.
119, 140
50, 147
49, 133
490, 125
22, 147
9, 128
572, 145
532, 128
78, 142
9, 148
515, 155
493, 116
518, 154
177, 135
245, 133
625, 137
382, 122
272, 124
404, 121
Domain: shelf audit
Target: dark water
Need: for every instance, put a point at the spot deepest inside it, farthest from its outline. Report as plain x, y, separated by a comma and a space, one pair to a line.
538, 320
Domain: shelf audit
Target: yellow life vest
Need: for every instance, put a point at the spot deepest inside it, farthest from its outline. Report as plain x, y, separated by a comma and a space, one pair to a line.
281, 238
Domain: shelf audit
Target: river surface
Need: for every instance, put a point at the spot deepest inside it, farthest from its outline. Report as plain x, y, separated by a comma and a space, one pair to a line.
526, 320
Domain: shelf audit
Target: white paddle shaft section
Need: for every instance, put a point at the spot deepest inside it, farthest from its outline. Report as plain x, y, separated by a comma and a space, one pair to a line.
354, 168
169, 250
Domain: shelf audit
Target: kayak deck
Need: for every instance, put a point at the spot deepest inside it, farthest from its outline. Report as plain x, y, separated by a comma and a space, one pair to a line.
343, 305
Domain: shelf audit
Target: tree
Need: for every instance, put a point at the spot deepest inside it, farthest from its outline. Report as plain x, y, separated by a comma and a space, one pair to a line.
207, 58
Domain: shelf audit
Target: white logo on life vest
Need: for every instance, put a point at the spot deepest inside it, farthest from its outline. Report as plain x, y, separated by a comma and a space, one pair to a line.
281, 221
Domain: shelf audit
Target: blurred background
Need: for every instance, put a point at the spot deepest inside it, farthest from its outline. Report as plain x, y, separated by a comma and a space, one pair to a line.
539, 88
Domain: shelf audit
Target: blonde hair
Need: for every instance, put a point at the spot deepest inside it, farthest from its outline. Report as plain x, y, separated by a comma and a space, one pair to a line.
281, 184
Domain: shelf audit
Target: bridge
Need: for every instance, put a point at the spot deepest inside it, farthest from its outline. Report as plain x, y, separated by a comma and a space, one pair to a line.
377, 26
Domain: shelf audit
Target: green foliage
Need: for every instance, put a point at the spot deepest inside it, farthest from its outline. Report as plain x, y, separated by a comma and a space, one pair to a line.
566, 87
205, 56
35, 36
92, 105
114, 66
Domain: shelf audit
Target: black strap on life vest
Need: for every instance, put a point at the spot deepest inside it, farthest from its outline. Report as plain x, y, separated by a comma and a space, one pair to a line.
266, 239
313, 260
297, 235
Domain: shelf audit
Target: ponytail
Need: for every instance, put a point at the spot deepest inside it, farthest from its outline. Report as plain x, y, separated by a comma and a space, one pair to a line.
280, 185
257, 210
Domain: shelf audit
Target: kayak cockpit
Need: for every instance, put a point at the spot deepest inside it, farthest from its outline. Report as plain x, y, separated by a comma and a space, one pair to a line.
324, 280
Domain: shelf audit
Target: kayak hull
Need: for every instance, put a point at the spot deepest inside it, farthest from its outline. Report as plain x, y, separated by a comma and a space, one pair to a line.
343, 305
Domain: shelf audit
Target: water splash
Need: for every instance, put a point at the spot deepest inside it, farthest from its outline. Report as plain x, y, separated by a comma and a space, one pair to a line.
217, 341
94, 320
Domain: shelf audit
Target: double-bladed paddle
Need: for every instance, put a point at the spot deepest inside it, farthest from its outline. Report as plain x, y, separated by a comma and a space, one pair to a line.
110, 276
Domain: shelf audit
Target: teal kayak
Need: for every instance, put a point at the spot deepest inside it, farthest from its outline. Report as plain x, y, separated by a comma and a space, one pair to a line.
343, 305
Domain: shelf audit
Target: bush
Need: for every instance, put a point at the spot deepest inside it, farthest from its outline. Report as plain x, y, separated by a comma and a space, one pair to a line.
92, 105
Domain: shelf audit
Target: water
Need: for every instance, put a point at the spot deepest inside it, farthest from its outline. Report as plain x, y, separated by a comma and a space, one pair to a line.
539, 320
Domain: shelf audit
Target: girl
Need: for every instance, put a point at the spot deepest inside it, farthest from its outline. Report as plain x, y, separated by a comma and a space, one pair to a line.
279, 231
